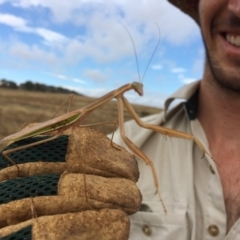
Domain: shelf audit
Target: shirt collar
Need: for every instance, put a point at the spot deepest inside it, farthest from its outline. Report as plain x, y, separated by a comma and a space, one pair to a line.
189, 93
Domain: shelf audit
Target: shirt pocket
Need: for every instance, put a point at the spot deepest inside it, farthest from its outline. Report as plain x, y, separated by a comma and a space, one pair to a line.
156, 225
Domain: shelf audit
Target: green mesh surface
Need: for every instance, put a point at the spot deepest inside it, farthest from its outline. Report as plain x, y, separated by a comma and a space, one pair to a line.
53, 151
19, 188
23, 234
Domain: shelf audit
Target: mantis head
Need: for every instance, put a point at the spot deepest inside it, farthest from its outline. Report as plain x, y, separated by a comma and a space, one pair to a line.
138, 87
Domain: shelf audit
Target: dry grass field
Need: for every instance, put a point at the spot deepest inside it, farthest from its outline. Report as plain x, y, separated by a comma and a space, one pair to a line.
19, 107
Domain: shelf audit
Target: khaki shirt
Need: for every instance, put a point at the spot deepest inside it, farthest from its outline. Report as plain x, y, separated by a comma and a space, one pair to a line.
189, 184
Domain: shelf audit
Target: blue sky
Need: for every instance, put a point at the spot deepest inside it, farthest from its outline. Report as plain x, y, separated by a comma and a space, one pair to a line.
80, 45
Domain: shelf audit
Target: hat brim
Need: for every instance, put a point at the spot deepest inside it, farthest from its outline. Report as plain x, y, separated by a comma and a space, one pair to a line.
190, 7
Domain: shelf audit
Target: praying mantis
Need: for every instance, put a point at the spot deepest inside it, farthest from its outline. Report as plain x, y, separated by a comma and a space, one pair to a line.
75, 118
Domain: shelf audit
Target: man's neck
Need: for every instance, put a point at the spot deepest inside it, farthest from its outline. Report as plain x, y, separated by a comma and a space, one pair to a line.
219, 113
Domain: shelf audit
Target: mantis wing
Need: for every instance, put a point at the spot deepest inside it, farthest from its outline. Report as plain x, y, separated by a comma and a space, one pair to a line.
45, 127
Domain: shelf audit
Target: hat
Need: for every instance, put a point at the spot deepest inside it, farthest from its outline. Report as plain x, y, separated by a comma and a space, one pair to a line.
190, 7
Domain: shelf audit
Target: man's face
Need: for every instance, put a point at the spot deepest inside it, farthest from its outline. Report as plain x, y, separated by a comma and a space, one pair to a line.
220, 26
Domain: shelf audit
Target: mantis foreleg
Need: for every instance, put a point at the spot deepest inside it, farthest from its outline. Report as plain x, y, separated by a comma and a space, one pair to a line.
165, 131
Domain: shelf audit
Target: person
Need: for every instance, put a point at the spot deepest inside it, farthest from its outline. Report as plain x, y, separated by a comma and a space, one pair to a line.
201, 194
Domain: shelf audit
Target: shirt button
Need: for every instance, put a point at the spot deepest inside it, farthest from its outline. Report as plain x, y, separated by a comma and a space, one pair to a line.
147, 230
213, 230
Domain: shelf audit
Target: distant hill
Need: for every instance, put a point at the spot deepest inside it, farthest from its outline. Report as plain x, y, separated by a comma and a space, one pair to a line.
38, 87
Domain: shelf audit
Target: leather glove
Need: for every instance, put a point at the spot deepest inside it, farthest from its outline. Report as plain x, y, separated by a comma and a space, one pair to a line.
77, 186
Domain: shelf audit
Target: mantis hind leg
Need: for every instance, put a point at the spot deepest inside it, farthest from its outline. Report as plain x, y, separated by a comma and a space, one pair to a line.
142, 156
69, 100
136, 150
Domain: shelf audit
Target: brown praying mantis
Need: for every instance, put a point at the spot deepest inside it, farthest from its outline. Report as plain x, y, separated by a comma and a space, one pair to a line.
75, 118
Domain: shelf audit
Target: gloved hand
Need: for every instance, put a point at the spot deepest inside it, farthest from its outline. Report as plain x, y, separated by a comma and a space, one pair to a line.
77, 186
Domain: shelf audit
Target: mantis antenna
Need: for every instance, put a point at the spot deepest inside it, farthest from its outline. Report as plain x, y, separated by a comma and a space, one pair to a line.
153, 52
135, 52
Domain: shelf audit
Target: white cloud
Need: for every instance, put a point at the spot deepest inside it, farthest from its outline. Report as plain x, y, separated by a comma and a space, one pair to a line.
97, 36
78, 80
180, 30
50, 36
156, 67
64, 77
31, 54
13, 21
20, 24
178, 70
95, 75
138, 15
188, 80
